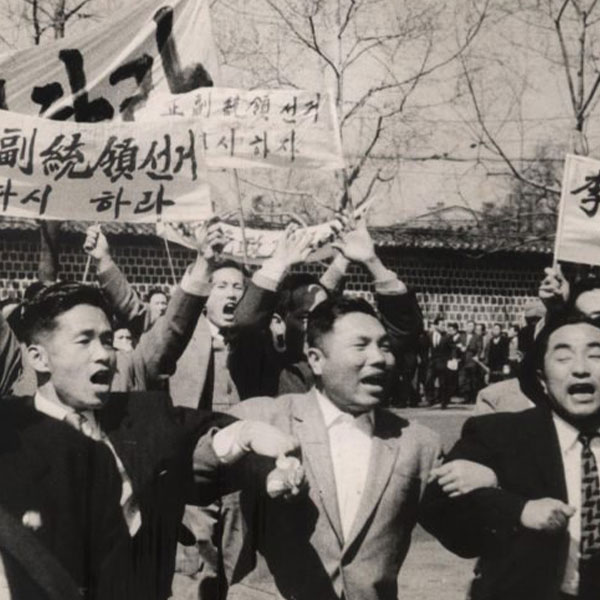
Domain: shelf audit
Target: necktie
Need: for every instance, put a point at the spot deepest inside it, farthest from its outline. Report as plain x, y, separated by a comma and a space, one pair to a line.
225, 393
589, 545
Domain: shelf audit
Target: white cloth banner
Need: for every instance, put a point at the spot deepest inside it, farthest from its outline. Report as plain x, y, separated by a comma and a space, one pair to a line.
147, 48
578, 230
259, 128
260, 243
111, 171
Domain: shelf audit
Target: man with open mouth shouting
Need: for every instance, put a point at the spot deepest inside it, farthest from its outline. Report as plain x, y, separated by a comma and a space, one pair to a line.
537, 530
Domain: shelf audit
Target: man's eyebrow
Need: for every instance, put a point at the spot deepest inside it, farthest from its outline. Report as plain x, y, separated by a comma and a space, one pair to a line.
561, 346
85, 332
594, 345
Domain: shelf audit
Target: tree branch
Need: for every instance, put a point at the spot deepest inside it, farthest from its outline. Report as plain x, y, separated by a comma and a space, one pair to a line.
495, 145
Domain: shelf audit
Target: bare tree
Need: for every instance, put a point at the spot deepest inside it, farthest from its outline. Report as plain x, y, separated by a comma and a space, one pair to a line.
562, 40
378, 57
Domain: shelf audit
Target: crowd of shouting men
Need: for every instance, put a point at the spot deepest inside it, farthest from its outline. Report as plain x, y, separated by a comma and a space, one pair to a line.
238, 432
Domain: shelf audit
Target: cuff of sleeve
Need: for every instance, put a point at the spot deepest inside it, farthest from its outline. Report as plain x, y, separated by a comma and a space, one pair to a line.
269, 278
192, 285
226, 443
390, 284
332, 276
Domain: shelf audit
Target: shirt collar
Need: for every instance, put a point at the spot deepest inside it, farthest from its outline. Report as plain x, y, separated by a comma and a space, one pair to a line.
57, 410
331, 413
567, 434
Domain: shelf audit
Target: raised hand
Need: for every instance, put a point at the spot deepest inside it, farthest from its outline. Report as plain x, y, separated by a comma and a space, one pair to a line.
356, 244
294, 246
554, 289
95, 243
210, 238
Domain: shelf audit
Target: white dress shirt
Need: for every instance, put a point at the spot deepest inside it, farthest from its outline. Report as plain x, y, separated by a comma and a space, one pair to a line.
570, 448
350, 442
91, 429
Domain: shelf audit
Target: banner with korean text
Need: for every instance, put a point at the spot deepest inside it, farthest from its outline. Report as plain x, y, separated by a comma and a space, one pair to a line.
112, 171
578, 230
147, 48
258, 128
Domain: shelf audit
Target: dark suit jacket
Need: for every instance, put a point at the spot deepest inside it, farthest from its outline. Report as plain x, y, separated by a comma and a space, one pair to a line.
297, 548
439, 355
156, 441
472, 349
516, 563
69, 486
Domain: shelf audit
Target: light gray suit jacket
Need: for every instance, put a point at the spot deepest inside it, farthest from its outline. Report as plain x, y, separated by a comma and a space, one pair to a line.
295, 549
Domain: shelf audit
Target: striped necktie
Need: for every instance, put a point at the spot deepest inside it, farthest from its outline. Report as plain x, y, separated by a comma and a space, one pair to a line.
589, 545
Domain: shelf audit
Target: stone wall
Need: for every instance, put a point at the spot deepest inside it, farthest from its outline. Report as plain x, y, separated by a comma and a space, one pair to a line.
485, 288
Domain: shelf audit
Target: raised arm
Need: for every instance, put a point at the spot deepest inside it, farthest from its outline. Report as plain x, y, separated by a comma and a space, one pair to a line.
159, 349
398, 306
256, 308
122, 297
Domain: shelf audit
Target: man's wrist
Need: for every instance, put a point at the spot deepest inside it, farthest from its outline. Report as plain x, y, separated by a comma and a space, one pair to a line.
104, 263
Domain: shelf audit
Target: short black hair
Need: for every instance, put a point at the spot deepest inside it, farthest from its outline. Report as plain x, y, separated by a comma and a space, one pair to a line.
452, 324
438, 320
230, 264
533, 361
154, 292
292, 282
323, 317
39, 314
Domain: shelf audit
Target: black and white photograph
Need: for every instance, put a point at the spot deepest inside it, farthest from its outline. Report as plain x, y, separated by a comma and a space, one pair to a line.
299, 300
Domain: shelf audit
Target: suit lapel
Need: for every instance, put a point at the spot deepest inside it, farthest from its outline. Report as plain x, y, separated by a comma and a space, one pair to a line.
314, 441
384, 452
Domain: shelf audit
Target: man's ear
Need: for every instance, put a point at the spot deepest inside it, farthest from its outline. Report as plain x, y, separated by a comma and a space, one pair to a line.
38, 358
315, 358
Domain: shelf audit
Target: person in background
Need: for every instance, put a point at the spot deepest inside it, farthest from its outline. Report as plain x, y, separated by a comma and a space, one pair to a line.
452, 365
496, 355
470, 374
438, 356
514, 354
122, 339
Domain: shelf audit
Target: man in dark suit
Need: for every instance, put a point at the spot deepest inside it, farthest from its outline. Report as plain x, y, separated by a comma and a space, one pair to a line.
440, 349
160, 451
470, 376
61, 530
347, 533
538, 530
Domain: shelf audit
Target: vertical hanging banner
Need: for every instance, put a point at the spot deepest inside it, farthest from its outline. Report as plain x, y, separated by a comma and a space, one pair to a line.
113, 171
578, 230
149, 47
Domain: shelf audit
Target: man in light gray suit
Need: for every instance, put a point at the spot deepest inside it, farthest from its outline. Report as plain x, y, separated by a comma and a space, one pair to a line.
347, 533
